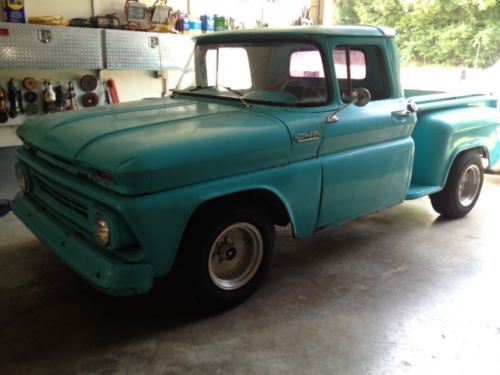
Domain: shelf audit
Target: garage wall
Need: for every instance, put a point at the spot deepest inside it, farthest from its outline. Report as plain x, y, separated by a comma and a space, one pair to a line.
83, 8
274, 12
135, 85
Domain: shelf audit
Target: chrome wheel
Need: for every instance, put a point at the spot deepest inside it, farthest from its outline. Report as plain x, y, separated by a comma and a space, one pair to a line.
235, 256
469, 185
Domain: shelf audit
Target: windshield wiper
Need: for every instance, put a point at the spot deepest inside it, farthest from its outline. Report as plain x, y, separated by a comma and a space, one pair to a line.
240, 95
197, 88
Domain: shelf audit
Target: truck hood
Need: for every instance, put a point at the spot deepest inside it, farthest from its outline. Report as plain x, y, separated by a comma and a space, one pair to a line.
170, 142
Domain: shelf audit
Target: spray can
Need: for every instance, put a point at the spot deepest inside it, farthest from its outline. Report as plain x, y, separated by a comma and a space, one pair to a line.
14, 11
220, 23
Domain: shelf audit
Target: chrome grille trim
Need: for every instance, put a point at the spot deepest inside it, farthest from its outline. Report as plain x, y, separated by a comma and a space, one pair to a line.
64, 199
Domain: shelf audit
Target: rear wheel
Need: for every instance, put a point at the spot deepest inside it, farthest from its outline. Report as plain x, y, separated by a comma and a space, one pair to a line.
462, 188
226, 255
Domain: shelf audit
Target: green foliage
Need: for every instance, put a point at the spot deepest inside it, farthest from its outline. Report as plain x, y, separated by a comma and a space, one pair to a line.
449, 32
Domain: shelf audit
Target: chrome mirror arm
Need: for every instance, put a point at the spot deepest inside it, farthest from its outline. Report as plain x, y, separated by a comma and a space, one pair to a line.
359, 97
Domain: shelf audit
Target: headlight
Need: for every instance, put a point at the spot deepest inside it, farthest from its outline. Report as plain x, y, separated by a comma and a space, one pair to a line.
22, 179
101, 228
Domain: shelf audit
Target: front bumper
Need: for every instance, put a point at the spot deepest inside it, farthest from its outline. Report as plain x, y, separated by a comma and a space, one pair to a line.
105, 273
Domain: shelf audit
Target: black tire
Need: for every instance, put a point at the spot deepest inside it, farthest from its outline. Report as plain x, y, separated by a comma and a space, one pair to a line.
462, 188
225, 255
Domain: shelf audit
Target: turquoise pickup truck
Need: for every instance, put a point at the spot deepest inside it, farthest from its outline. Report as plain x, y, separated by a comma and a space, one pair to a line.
307, 127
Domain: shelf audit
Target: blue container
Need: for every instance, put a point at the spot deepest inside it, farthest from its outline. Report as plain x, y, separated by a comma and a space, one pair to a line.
14, 11
185, 23
195, 27
207, 23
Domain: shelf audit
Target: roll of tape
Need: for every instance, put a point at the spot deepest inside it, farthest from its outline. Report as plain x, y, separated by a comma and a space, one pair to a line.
30, 83
88, 83
90, 99
30, 96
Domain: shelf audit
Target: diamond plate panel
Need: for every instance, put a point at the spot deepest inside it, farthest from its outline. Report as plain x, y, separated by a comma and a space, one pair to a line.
175, 51
131, 50
68, 47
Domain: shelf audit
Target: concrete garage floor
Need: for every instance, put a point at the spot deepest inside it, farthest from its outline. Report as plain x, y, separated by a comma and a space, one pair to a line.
398, 292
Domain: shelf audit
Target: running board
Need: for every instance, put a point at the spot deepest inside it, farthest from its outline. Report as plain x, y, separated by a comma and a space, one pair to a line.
419, 191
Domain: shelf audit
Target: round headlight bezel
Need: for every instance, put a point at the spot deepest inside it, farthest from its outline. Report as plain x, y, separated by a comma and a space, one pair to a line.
22, 179
102, 230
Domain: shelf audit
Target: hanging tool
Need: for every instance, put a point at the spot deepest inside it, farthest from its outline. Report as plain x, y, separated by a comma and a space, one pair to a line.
12, 95
60, 103
70, 94
113, 91
3, 107
107, 99
49, 97
19, 99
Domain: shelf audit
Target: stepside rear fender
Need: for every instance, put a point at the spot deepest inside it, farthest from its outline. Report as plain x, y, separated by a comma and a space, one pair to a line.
440, 135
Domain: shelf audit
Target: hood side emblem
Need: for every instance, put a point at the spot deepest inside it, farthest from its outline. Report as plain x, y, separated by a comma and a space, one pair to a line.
307, 137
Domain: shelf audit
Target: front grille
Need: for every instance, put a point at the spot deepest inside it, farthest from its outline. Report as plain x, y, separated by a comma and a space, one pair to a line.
63, 198
68, 206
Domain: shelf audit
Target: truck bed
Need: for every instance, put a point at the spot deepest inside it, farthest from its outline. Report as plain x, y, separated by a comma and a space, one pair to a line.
435, 109
431, 100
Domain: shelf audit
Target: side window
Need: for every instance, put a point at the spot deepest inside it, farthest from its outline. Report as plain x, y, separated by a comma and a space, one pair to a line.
360, 66
305, 81
229, 67
306, 64
357, 63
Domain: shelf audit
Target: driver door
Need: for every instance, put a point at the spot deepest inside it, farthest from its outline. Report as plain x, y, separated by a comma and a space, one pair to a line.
366, 152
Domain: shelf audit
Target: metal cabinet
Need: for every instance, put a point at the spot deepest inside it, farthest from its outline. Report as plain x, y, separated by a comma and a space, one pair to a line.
56, 47
131, 50
49, 47
134, 50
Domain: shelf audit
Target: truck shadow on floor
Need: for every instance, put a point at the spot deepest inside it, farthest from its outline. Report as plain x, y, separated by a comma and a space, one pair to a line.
54, 313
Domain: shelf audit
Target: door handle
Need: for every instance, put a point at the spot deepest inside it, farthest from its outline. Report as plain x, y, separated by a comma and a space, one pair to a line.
401, 115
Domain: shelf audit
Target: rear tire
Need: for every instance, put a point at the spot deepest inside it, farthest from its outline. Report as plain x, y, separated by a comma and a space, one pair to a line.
462, 188
226, 255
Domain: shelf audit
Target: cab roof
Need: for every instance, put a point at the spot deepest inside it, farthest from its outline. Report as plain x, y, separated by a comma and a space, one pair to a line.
299, 31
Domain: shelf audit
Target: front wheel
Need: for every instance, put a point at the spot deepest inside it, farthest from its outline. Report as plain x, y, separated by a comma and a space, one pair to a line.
462, 188
227, 254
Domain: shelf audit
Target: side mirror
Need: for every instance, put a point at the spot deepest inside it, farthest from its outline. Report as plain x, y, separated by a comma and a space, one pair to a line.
361, 97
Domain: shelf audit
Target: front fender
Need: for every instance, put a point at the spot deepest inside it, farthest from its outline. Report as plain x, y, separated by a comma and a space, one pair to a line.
161, 218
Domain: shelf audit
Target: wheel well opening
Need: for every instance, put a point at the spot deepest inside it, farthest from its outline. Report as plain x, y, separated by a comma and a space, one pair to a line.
483, 154
262, 199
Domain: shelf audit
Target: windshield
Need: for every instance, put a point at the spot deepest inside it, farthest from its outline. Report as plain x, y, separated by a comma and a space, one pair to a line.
274, 73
